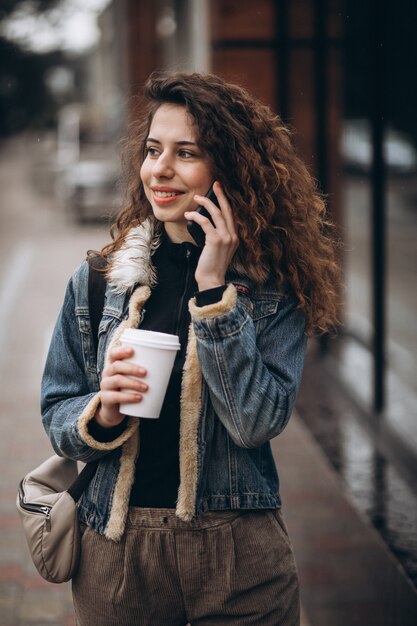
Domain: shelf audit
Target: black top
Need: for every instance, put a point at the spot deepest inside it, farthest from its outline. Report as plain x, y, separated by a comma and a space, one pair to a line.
157, 470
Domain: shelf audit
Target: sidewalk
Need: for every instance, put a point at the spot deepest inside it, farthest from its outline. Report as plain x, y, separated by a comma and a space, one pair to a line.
347, 575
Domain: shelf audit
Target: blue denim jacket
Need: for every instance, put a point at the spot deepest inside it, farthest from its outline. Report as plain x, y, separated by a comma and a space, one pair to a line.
241, 375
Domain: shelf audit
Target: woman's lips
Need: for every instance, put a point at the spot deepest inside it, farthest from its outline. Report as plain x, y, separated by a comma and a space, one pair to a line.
166, 196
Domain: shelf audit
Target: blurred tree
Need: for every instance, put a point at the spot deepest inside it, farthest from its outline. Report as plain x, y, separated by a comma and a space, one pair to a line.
24, 97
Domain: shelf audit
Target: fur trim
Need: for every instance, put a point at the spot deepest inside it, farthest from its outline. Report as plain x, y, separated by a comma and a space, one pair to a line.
88, 414
209, 311
136, 303
190, 414
131, 264
125, 478
129, 438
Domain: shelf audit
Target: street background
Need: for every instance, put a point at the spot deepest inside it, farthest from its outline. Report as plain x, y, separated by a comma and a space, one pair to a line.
339, 74
348, 576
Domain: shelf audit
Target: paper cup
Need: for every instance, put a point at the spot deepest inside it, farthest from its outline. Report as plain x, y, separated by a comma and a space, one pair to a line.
156, 353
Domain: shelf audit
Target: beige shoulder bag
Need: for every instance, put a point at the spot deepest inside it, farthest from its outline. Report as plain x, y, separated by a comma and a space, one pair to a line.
47, 504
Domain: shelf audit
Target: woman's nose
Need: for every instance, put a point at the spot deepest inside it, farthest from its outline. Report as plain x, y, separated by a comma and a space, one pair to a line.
163, 166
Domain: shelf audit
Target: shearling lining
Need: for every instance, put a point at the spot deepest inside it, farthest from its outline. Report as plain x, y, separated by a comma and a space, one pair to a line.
209, 311
131, 264
190, 414
137, 300
88, 414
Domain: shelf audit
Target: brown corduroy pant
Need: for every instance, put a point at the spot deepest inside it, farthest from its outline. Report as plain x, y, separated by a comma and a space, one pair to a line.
223, 568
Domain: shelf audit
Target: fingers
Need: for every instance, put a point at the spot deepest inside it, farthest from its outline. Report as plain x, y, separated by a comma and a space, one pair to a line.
226, 210
120, 353
118, 381
124, 367
224, 225
121, 380
115, 398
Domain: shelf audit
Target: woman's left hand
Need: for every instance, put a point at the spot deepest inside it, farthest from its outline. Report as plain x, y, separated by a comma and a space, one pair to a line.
221, 240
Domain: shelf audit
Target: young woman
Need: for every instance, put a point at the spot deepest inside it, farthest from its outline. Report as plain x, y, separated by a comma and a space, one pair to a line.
182, 521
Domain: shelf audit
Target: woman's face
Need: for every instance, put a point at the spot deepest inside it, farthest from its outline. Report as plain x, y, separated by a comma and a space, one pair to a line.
174, 169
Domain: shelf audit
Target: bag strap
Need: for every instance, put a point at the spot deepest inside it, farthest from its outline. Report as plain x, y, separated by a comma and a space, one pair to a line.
96, 295
77, 488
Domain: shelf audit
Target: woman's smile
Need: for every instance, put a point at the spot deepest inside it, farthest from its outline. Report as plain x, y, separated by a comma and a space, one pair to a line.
165, 195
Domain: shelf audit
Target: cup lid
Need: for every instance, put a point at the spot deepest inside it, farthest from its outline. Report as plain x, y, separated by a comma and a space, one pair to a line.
151, 338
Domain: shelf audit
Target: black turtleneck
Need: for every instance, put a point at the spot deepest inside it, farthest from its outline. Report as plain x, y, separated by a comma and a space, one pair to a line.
157, 469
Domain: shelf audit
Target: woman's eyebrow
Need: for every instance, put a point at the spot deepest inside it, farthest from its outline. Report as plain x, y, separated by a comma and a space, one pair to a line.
178, 143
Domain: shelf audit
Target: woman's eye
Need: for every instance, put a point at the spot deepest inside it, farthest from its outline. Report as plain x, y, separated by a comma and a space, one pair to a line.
186, 154
151, 151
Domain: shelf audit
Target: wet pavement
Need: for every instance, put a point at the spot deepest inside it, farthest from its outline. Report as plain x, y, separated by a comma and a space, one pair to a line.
382, 486
348, 576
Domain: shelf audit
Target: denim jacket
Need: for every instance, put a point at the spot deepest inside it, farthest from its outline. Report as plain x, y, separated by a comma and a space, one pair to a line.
242, 371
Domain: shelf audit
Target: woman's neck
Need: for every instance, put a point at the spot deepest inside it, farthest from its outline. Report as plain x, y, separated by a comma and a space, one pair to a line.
177, 233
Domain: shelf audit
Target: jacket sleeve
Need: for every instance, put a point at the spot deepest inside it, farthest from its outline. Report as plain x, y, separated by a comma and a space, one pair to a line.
68, 403
252, 379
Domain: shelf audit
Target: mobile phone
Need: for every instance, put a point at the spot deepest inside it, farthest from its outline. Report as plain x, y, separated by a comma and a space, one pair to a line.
195, 230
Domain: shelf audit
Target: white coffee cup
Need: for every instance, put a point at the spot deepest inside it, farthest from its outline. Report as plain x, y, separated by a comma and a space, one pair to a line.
156, 353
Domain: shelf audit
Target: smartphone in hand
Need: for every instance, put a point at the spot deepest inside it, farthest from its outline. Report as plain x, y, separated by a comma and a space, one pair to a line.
195, 230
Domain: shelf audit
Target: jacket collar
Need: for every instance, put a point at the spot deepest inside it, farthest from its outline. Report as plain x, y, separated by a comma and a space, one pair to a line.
131, 265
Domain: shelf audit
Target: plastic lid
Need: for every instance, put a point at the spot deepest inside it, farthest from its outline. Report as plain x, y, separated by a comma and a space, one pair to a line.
150, 338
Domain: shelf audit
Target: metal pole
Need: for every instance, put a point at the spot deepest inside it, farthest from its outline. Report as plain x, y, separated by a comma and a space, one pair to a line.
283, 59
321, 95
378, 176
321, 88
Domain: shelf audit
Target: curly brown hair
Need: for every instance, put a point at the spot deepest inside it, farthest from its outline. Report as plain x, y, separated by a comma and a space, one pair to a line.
280, 215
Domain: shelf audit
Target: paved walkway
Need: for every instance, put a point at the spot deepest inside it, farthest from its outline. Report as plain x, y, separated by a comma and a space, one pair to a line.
348, 577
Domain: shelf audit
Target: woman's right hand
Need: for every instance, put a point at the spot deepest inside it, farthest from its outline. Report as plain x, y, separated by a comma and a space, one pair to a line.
117, 376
